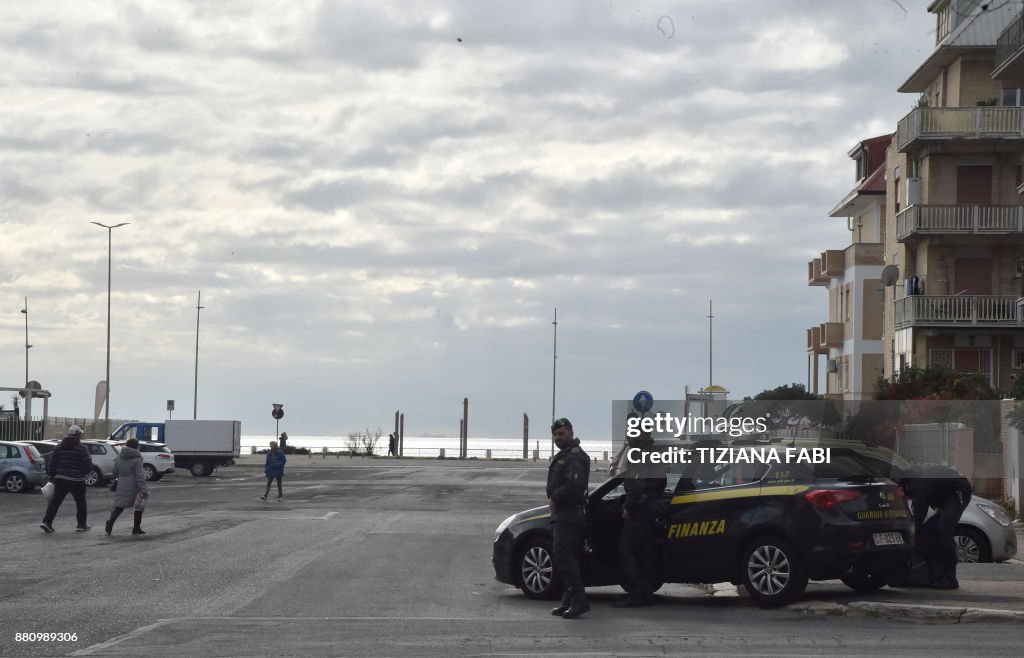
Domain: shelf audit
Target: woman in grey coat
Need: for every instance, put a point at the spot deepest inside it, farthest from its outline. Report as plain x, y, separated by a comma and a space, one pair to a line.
131, 481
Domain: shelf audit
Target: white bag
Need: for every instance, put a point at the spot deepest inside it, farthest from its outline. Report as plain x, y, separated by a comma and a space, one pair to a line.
47, 490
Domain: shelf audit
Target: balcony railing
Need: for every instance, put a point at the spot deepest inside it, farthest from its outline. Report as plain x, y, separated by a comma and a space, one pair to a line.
939, 220
940, 123
1009, 42
956, 310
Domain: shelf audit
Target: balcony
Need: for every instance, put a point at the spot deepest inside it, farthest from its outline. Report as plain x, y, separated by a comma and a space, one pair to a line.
949, 123
831, 334
1009, 48
814, 341
959, 220
957, 311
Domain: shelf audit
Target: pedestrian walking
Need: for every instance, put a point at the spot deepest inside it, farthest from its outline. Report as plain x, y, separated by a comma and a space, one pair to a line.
284, 440
274, 470
644, 484
948, 493
568, 476
69, 463
131, 490
392, 444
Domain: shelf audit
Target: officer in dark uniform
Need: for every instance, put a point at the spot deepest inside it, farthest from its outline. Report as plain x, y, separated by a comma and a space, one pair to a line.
644, 483
568, 476
948, 492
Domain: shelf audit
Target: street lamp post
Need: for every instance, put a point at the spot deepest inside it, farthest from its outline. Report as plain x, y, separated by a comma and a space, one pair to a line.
195, 392
554, 370
110, 230
27, 346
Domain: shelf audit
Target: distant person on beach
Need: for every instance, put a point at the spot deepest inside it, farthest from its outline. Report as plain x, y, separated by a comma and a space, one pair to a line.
392, 445
284, 440
131, 488
274, 470
69, 463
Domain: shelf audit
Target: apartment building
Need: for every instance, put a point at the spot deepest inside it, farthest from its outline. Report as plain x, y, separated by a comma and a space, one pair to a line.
850, 342
954, 214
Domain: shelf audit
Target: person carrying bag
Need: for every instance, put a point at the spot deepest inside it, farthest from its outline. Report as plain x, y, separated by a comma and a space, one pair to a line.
131, 490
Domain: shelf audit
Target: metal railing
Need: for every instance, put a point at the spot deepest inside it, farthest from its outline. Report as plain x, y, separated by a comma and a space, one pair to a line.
959, 122
929, 219
1009, 42
966, 310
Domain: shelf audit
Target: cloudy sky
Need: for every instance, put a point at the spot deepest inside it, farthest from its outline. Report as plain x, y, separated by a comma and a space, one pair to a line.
383, 201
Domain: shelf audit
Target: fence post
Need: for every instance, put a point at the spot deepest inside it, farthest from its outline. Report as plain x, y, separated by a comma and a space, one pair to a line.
442, 453
488, 453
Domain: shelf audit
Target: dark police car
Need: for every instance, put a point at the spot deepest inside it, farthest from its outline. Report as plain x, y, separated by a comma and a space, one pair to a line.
768, 526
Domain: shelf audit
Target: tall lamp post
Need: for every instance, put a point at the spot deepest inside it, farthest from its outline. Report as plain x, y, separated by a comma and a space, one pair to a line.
27, 346
110, 230
195, 392
554, 366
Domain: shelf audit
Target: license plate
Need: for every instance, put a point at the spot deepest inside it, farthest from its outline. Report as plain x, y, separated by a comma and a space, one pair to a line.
888, 538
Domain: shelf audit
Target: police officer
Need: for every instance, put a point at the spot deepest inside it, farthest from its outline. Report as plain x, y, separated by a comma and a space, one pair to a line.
568, 476
948, 492
644, 482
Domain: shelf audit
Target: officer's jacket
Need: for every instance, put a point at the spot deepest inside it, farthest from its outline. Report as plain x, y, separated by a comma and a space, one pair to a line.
568, 478
929, 485
643, 481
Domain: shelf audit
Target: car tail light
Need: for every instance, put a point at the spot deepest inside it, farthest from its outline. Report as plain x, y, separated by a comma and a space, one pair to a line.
31, 458
826, 499
901, 494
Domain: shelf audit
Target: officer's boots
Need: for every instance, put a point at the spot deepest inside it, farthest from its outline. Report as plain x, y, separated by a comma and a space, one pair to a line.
579, 605
565, 605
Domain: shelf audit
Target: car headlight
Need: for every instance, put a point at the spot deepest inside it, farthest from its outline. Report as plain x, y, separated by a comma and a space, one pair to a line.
504, 524
998, 514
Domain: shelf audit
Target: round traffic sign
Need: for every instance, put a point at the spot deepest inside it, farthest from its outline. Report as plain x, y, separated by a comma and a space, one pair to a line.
643, 401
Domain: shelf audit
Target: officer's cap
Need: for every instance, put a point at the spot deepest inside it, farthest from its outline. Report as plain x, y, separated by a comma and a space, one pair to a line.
561, 422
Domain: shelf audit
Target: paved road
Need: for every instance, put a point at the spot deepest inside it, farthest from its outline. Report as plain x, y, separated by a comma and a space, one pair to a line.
373, 557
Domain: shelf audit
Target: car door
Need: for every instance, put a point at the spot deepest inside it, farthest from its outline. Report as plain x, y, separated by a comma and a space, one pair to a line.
707, 518
4, 460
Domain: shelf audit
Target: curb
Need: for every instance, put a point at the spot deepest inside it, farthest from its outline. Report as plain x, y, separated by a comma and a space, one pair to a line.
912, 613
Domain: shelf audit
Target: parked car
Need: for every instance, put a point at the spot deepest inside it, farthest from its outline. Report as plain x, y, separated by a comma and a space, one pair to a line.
44, 448
103, 455
157, 459
985, 533
21, 467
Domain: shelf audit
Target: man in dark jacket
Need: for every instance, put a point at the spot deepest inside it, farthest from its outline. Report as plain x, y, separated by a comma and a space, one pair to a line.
644, 483
568, 477
274, 469
68, 466
948, 492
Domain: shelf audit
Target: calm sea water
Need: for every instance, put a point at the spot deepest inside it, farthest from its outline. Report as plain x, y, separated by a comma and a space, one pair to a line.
430, 446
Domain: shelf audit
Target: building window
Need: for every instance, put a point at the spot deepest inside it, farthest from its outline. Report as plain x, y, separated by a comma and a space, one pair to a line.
1012, 97
848, 295
896, 194
1018, 358
942, 23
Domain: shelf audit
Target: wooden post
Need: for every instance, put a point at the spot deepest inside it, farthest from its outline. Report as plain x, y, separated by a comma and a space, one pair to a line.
462, 425
397, 420
526, 435
401, 435
465, 427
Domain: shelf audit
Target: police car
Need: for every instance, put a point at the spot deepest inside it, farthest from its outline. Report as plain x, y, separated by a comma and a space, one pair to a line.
768, 526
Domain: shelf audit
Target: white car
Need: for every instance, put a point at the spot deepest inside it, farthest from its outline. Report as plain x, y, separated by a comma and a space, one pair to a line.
157, 459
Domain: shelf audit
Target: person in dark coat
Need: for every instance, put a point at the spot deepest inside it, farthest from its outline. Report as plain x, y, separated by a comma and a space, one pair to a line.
948, 493
568, 477
644, 484
131, 483
69, 463
274, 469
392, 445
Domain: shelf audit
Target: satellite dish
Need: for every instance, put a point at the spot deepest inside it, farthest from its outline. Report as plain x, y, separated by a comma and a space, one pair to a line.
890, 275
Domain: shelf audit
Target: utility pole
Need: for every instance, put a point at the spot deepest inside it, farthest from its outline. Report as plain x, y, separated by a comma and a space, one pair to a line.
554, 372
195, 390
106, 383
27, 346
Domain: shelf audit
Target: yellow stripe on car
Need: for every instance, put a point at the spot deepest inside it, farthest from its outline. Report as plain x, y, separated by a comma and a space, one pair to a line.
746, 492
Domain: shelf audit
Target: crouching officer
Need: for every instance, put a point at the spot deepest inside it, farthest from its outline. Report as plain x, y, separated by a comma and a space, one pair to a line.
644, 482
568, 476
948, 492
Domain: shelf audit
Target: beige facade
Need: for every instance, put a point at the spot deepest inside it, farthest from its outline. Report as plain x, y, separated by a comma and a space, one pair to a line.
954, 215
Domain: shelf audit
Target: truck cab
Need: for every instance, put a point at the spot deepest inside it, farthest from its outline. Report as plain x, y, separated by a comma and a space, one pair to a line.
199, 446
140, 432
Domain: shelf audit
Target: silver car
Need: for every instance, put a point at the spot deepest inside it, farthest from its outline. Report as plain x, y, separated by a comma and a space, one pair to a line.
985, 533
21, 467
103, 455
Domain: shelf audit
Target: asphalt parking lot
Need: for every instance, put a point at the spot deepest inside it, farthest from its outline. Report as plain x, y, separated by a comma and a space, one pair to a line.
385, 557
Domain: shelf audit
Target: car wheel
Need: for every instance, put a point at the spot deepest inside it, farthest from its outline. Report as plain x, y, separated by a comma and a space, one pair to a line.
93, 478
971, 545
535, 566
865, 582
157, 477
773, 571
200, 469
150, 472
15, 483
